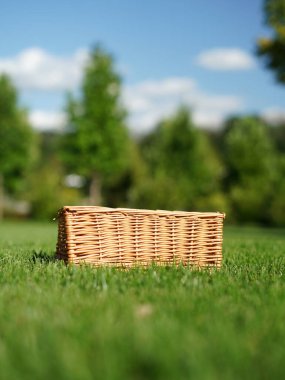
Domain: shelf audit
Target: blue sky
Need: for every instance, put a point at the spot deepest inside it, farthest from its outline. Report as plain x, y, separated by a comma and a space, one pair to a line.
200, 53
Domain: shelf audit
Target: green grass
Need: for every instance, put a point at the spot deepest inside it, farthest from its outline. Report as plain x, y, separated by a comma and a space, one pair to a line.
66, 322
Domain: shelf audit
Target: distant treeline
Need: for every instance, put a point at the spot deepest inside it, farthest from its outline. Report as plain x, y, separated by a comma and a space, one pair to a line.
238, 169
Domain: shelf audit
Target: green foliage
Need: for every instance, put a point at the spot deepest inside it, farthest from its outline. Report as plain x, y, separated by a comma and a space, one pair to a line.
184, 169
122, 191
96, 141
251, 168
238, 170
277, 205
277, 133
17, 139
47, 191
81, 323
46, 182
272, 50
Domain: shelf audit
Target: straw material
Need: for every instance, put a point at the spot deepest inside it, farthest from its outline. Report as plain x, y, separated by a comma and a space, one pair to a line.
126, 237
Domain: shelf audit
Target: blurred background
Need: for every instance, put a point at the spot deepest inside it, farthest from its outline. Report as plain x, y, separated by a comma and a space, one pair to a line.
153, 104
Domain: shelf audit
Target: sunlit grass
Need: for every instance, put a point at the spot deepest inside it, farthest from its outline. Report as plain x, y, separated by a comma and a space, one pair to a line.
161, 323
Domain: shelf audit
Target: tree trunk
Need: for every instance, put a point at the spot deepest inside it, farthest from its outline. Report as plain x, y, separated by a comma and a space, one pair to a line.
1, 196
95, 195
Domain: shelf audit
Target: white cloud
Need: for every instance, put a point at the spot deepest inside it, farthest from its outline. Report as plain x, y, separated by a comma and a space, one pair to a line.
226, 59
150, 101
34, 68
147, 102
165, 87
274, 115
47, 120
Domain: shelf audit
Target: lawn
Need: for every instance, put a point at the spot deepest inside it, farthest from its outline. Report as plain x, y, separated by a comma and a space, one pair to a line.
67, 322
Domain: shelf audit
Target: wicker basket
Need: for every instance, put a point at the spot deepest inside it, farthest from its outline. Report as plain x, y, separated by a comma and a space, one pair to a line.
126, 237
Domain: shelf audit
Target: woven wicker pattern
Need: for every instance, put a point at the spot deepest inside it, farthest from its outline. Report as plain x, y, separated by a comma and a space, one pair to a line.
126, 237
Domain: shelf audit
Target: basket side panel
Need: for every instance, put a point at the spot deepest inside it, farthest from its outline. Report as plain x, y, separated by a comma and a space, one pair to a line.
210, 237
61, 246
122, 238
85, 237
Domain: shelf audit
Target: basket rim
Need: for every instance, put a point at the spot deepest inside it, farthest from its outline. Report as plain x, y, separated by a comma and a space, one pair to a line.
100, 209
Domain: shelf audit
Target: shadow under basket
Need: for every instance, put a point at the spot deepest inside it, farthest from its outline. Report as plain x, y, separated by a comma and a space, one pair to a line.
128, 237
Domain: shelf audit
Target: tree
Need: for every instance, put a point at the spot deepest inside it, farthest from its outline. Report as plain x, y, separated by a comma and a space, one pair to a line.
278, 135
272, 50
17, 141
46, 188
95, 144
277, 204
47, 191
250, 160
184, 170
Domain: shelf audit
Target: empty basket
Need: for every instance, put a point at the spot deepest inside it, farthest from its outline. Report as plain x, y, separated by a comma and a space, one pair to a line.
126, 237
